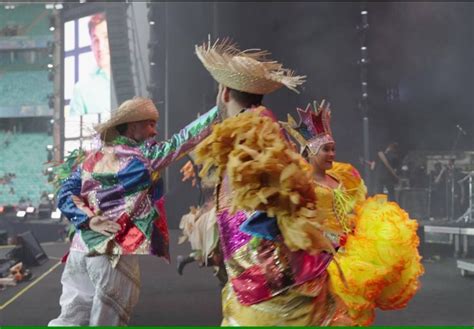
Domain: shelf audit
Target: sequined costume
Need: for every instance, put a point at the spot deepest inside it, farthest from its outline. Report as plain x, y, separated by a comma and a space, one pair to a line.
378, 264
276, 267
121, 182
275, 252
378, 254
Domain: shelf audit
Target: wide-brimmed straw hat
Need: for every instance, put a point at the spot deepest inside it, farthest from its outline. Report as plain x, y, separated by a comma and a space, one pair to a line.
248, 71
132, 110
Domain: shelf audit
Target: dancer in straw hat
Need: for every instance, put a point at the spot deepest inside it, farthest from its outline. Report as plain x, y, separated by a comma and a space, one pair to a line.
275, 251
114, 199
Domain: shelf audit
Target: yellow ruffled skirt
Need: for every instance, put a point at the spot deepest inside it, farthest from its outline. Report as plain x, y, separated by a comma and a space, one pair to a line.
380, 261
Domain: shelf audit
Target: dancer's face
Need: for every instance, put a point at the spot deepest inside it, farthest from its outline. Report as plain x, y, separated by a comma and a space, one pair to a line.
141, 130
325, 157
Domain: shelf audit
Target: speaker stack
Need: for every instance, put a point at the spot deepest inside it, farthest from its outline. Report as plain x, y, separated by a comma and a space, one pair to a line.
120, 60
28, 250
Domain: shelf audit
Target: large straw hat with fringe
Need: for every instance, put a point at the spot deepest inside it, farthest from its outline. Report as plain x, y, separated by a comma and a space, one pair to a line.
248, 71
132, 110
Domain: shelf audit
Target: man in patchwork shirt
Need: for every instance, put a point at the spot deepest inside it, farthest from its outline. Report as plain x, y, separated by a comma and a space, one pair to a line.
114, 199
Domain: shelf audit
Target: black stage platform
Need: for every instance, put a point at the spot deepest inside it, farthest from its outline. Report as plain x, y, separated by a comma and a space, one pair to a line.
44, 229
167, 299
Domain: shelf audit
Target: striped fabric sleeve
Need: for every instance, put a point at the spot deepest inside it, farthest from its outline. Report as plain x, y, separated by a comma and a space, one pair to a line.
163, 153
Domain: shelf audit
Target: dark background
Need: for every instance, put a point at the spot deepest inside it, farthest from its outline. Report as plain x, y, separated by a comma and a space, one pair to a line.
420, 74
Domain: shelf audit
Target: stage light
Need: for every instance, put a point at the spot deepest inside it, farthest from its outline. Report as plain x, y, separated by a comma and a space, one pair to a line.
56, 214
50, 66
49, 6
363, 48
364, 83
49, 147
50, 169
30, 210
152, 22
21, 214
58, 6
50, 196
364, 12
152, 64
365, 95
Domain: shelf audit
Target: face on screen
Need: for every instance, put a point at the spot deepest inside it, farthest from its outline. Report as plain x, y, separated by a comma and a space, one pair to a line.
100, 45
86, 48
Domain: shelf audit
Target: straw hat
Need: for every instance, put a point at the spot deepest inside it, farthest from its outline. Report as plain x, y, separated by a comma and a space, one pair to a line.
132, 110
247, 70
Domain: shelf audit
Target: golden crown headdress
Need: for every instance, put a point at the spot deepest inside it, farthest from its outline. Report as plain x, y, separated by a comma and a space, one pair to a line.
313, 130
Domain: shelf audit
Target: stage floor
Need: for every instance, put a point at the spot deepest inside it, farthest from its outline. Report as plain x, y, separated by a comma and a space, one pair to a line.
167, 299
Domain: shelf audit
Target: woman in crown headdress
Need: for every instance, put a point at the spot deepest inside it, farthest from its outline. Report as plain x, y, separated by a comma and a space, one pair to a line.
377, 263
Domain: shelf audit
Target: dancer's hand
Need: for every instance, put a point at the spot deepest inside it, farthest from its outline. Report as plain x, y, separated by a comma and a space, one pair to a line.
188, 172
103, 225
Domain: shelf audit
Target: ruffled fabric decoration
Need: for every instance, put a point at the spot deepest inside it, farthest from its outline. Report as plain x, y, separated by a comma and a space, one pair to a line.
380, 261
266, 174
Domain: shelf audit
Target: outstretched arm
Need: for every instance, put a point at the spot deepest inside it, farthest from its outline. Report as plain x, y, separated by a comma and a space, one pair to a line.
163, 153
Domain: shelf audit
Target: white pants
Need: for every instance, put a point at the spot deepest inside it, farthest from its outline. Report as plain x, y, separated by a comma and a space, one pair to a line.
97, 294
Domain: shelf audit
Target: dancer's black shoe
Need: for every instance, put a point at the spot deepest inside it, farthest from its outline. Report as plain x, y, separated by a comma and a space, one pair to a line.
181, 262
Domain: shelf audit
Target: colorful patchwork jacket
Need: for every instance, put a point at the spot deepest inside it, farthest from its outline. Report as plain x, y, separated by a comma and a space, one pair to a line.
122, 182
258, 262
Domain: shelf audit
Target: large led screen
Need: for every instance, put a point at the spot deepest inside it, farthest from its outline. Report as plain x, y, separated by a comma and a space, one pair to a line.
86, 79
